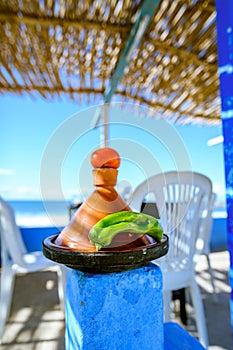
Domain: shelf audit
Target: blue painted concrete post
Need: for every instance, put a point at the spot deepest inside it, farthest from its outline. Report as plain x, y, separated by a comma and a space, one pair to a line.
118, 311
225, 62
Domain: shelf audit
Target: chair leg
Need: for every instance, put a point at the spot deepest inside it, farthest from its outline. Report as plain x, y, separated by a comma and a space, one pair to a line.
199, 312
167, 297
7, 287
183, 314
212, 278
181, 296
62, 274
60, 285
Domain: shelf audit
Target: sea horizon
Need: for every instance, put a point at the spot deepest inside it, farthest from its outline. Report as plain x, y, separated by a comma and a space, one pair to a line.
40, 213
51, 212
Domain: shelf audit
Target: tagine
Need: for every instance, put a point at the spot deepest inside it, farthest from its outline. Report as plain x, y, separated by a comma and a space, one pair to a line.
105, 235
103, 201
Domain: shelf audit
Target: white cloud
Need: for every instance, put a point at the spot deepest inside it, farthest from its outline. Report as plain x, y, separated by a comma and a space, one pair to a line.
4, 171
34, 193
22, 193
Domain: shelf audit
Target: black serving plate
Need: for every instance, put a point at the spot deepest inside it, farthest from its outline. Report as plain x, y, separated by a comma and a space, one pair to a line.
105, 261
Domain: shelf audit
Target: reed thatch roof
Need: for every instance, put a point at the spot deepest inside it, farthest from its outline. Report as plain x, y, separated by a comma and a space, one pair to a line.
57, 47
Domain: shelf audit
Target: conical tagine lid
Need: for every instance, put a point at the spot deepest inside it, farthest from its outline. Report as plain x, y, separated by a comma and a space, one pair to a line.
103, 201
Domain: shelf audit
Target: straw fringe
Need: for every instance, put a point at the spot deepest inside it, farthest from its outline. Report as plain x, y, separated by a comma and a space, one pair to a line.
56, 47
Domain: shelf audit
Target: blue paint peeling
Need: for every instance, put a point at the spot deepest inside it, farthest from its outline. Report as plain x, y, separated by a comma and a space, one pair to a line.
227, 114
228, 69
115, 311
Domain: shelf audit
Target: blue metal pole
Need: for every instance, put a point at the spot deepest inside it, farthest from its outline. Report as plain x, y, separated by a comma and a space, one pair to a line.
225, 68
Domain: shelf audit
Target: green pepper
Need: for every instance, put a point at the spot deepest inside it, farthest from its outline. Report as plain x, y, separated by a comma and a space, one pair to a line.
102, 233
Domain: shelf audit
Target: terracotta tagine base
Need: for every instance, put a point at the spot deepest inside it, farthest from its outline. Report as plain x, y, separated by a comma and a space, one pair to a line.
109, 259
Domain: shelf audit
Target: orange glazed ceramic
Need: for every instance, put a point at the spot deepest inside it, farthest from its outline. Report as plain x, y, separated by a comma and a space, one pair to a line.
103, 201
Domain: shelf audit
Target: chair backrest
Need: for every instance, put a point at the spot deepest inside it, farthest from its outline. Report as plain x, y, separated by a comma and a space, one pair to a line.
180, 198
205, 228
12, 245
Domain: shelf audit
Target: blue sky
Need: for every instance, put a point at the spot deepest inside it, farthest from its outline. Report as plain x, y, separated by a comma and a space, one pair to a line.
46, 147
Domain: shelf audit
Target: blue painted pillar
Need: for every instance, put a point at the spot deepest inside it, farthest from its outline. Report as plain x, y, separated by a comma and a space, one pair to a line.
115, 311
225, 62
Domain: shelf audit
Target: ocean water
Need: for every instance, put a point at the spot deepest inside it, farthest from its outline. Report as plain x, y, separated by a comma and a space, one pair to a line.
36, 213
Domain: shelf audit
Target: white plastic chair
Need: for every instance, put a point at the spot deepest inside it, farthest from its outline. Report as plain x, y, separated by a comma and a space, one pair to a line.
203, 243
180, 198
15, 261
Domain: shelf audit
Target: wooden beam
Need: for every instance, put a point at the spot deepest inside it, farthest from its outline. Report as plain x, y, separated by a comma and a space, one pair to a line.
12, 17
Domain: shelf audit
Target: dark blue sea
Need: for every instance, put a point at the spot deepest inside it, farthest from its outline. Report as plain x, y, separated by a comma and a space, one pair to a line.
36, 213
